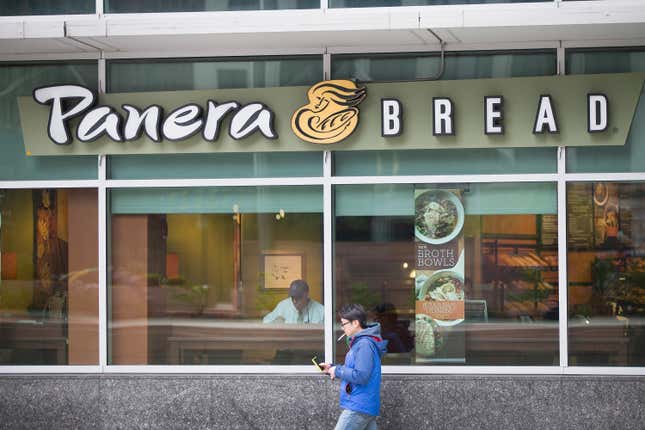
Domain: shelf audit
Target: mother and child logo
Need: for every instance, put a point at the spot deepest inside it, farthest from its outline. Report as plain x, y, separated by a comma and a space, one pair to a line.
331, 114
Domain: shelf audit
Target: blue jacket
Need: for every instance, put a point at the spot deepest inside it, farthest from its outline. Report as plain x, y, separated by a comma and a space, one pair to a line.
362, 372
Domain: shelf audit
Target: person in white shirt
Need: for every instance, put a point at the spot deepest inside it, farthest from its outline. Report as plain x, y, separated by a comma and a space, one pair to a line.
298, 308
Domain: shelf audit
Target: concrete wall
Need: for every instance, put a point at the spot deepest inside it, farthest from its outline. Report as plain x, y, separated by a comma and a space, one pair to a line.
310, 402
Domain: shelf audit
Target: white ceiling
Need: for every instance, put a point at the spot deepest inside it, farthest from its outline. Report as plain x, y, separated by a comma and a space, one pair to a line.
491, 26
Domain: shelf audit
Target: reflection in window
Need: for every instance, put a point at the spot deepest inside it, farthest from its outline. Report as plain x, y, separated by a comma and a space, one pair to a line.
49, 278
390, 3
194, 272
217, 165
18, 80
445, 161
192, 74
458, 65
606, 244
140, 6
218, 73
626, 158
46, 7
505, 273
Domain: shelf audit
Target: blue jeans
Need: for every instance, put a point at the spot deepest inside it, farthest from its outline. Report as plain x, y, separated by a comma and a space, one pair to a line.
352, 420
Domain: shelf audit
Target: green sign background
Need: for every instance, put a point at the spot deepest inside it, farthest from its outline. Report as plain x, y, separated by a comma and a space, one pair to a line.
521, 98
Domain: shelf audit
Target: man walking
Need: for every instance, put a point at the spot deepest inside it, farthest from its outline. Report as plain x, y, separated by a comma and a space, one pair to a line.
360, 376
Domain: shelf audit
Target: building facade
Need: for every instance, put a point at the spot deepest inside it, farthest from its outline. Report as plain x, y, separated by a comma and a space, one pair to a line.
161, 185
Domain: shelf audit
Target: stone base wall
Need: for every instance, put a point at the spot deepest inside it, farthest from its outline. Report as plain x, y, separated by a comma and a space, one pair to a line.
311, 402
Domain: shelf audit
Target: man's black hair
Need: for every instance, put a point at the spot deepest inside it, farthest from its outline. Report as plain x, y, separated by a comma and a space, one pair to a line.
298, 289
354, 312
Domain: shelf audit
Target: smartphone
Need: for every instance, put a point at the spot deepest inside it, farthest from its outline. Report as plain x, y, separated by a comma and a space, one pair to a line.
318, 365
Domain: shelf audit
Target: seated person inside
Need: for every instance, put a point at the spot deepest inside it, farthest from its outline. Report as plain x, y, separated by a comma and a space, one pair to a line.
298, 308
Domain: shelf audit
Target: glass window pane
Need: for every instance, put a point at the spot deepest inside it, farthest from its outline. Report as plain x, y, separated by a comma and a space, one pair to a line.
140, 6
20, 80
458, 65
446, 162
49, 277
593, 61
502, 266
390, 3
204, 74
201, 275
171, 75
226, 165
606, 244
46, 7
631, 156
387, 67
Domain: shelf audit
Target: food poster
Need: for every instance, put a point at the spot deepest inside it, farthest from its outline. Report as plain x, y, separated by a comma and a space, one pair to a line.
606, 214
439, 281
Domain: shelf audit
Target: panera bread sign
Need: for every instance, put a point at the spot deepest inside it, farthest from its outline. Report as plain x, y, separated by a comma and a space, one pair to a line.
337, 115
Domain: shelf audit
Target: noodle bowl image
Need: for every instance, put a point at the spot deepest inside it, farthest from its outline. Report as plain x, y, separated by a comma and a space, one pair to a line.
428, 340
444, 285
331, 114
439, 216
444, 293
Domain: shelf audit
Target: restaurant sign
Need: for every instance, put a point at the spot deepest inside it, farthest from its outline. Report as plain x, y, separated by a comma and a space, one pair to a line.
338, 115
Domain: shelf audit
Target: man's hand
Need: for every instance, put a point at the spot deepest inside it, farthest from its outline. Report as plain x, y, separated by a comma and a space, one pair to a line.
329, 369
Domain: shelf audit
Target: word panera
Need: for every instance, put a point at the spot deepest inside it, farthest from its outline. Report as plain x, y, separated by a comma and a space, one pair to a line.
330, 117
70, 101
443, 118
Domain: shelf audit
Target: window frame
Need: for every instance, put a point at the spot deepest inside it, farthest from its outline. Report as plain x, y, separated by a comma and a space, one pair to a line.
328, 181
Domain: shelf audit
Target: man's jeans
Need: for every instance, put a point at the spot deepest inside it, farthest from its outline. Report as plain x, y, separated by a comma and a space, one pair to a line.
352, 420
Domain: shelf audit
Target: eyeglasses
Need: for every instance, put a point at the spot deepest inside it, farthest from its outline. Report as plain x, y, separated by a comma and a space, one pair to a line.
343, 324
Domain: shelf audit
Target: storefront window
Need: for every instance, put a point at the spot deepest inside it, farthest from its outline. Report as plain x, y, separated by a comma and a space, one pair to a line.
606, 244
196, 275
46, 7
458, 65
446, 162
471, 281
49, 277
390, 3
129, 6
20, 80
204, 74
388, 67
176, 75
631, 156
233, 165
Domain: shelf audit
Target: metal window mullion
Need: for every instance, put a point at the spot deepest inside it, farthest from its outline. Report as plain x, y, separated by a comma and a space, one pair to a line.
328, 255
222, 182
308, 370
613, 177
102, 221
560, 58
326, 65
48, 369
328, 278
563, 287
444, 179
29, 184
562, 261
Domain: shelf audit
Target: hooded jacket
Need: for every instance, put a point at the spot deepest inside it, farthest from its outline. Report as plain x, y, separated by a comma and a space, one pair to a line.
362, 372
